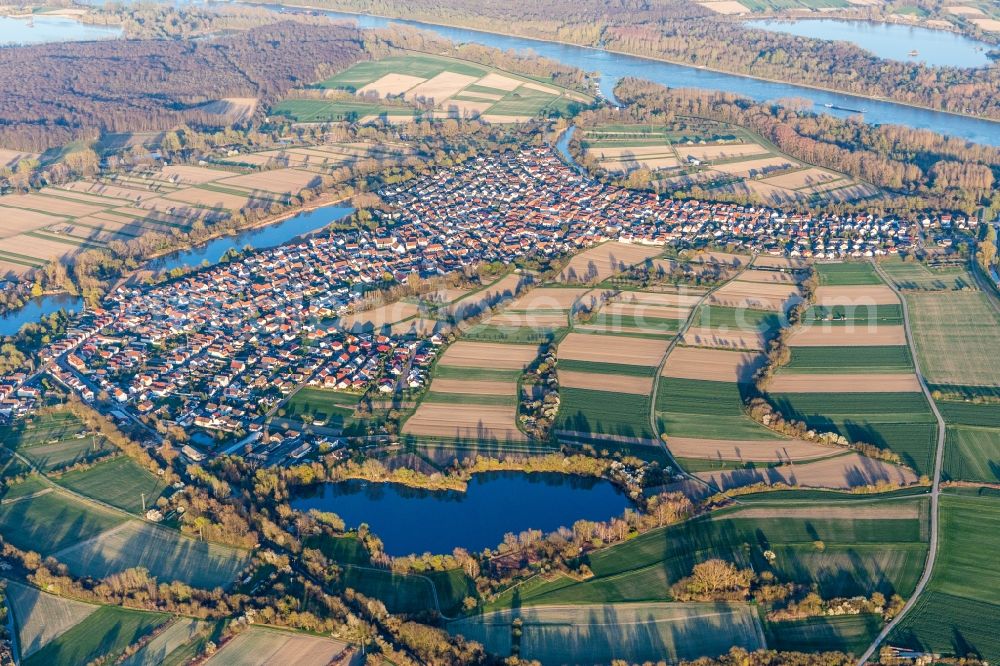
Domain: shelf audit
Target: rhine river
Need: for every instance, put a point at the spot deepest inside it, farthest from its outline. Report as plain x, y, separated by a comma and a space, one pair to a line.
410, 520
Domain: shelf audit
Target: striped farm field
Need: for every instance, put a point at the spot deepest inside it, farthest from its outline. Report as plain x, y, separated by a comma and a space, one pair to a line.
972, 447
774, 296
851, 634
916, 276
41, 617
120, 482
712, 364
172, 643
604, 412
825, 335
50, 521
840, 472
616, 349
862, 315
741, 319
959, 611
597, 633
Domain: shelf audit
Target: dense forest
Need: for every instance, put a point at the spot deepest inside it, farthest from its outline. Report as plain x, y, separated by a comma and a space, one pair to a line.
684, 32
926, 169
55, 93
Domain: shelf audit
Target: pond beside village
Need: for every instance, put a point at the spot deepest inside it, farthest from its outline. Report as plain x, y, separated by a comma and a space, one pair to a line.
37, 308
410, 520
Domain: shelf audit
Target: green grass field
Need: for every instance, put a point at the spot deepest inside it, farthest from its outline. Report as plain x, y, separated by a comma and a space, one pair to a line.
849, 633
52, 521
696, 408
607, 368
959, 612
102, 635
861, 555
737, 318
165, 553
861, 315
957, 335
900, 422
334, 408
914, 276
972, 454
346, 550
848, 273
604, 412
54, 441
853, 360
120, 482
409, 593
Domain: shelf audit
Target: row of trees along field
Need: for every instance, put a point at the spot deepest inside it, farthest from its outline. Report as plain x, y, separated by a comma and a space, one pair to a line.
685, 32
936, 171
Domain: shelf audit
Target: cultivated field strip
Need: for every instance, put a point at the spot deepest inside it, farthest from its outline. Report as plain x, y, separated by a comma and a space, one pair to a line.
259, 646
41, 617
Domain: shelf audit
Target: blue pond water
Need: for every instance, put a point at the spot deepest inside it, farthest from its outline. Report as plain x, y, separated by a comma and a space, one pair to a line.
51, 29
260, 238
37, 308
937, 48
410, 520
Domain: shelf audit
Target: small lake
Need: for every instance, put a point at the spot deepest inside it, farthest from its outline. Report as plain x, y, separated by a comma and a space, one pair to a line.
41, 29
937, 48
410, 520
37, 308
260, 238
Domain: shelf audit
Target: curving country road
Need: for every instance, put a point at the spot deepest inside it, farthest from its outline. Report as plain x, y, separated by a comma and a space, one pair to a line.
935, 486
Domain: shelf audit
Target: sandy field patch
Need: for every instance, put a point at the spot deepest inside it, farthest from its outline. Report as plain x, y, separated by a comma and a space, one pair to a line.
391, 84
723, 258
769, 261
601, 382
712, 364
835, 383
843, 472
473, 387
603, 261
615, 152
210, 199
501, 119
727, 7
553, 298
10, 158
481, 96
875, 294
618, 329
963, 10
500, 291
778, 450
847, 336
737, 340
643, 310
494, 355
237, 109
652, 163
440, 87
803, 178
769, 277
188, 175
285, 181
531, 85
530, 319
376, 318
499, 81
476, 422
418, 326
991, 25
602, 437
754, 167
10, 269
260, 646
51, 205
612, 349
82, 197
721, 151
14, 221
39, 248
466, 108
755, 295
685, 300
116, 191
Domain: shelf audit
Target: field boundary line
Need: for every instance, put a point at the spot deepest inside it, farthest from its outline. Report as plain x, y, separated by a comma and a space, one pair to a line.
935, 485
79, 544
659, 370
37, 493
